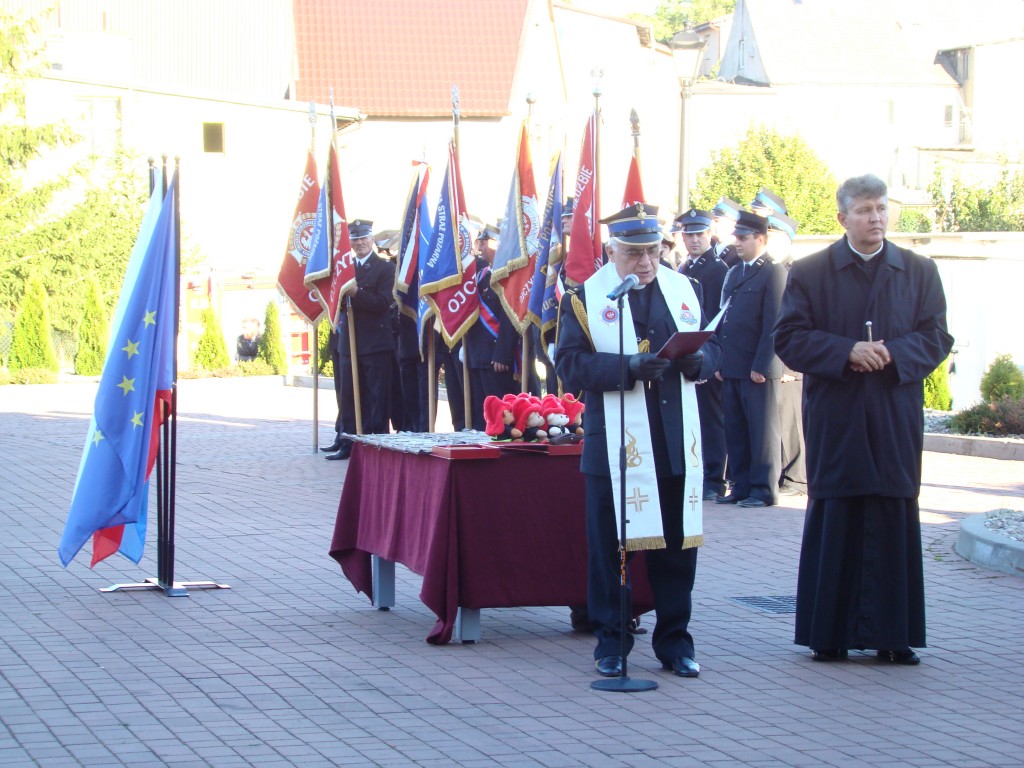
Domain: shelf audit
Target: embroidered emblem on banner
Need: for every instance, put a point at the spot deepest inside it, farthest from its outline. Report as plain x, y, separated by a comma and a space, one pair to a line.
687, 316
610, 315
633, 457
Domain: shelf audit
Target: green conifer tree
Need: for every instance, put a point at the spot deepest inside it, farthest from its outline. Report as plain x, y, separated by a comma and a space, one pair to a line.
31, 343
936, 389
211, 352
93, 334
271, 344
323, 339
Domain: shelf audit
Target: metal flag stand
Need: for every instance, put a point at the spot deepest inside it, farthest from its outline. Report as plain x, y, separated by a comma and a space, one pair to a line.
166, 461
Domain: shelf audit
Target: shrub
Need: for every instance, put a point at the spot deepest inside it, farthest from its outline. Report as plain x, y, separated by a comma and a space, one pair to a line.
1002, 417
271, 346
936, 388
1002, 379
211, 351
92, 334
33, 376
31, 344
911, 220
255, 367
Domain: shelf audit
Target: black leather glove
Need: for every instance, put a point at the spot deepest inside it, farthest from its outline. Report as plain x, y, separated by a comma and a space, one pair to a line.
647, 367
689, 365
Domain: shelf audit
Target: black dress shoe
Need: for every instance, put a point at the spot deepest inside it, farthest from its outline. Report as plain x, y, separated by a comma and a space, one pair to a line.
732, 498
751, 502
684, 666
829, 654
906, 656
342, 453
336, 445
711, 495
609, 666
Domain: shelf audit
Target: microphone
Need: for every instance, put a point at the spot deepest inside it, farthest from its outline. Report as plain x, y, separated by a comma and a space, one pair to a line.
627, 285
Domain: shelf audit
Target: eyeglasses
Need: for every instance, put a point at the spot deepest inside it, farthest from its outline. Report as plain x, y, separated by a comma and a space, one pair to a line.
652, 252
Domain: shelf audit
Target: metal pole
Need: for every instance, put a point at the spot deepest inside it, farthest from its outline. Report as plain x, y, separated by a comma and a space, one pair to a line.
467, 399
316, 336
681, 204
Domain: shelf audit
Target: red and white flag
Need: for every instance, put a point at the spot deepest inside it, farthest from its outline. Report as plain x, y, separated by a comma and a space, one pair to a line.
291, 278
585, 254
519, 241
634, 192
343, 264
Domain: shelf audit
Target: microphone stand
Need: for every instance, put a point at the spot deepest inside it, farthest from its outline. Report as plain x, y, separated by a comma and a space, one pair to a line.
623, 683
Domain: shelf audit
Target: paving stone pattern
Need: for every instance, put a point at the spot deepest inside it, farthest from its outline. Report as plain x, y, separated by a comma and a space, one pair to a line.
292, 667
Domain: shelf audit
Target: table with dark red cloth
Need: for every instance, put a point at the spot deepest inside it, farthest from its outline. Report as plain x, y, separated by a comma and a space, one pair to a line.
483, 533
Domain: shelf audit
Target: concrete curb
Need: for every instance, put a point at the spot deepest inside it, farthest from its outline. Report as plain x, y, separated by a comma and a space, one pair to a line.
987, 548
970, 445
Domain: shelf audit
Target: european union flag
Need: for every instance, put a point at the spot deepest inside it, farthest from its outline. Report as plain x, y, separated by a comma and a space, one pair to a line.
112, 489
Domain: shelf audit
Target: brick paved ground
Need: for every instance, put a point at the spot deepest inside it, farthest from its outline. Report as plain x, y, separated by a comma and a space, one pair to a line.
291, 667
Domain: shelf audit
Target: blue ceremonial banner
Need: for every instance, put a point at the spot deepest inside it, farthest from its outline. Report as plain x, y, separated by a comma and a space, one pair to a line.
448, 278
318, 266
407, 282
544, 294
112, 488
423, 309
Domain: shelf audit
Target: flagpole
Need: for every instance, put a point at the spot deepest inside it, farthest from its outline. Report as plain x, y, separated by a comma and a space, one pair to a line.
316, 330
467, 399
431, 378
524, 365
634, 121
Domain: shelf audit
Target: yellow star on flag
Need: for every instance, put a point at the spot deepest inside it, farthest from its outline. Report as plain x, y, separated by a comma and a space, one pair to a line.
137, 419
128, 385
96, 437
132, 348
150, 318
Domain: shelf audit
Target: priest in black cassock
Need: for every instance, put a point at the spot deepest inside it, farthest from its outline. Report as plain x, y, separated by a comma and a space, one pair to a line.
860, 583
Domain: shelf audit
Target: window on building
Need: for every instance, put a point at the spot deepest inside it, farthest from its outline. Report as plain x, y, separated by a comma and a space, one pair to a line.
947, 120
213, 137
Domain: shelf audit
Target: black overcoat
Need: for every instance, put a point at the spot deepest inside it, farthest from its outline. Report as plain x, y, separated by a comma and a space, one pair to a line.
864, 431
371, 305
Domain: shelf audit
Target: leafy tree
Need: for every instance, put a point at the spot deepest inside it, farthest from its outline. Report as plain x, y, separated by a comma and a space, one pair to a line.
1002, 379
77, 225
271, 345
211, 352
785, 164
936, 389
31, 344
670, 16
92, 334
976, 208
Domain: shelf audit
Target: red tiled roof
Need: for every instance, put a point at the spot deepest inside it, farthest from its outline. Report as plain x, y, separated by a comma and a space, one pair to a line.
400, 58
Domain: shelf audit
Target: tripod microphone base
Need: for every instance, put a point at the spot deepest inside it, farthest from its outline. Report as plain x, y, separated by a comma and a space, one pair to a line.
623, 685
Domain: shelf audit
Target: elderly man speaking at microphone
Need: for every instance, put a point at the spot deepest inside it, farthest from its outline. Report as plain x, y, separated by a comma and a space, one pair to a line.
664, 473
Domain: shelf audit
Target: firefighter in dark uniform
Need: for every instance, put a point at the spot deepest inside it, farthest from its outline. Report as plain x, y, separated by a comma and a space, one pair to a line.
723, 219
375, 339
750, 370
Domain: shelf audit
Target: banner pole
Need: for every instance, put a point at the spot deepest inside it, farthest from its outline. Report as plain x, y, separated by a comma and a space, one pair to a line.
315, 343
353, 357
467, 398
